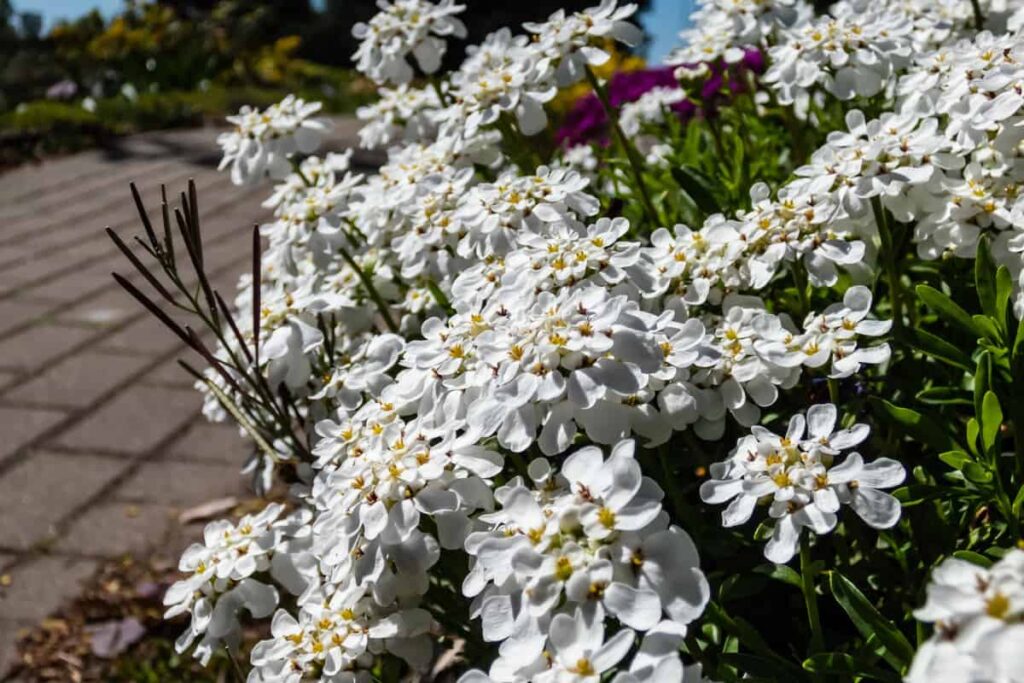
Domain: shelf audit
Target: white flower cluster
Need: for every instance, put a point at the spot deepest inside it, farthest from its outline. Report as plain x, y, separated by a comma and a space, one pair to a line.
854, 53
401, 28
401, 114
857, 50
519, 319
978, 614
555, 559
221, 579
262, 141
946, 160
722, 29
798, 477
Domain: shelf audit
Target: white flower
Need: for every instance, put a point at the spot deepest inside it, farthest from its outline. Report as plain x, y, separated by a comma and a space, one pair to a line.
796, 474
262, 142
402, 114
856, 54
504, 74
978, 629
573, 41
402, 27
722, 28
578, 648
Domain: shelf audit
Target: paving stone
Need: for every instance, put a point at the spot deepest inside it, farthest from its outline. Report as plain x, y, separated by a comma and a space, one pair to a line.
40, 586
43, 489
33, 348
116, 529
170, 374
21, 426
77, 381
72, 285
212, 443
182, 484
16, 313
147, 336
134, 421
50, 267
110, 308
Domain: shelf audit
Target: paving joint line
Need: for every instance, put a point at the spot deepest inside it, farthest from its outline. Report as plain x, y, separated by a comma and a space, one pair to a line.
13, 241
77, 416
214, 211
39, 196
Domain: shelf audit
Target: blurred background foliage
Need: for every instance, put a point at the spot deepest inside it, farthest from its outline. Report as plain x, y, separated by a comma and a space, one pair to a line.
168, 63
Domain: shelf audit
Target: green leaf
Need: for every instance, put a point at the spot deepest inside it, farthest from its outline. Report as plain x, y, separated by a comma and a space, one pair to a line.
920, 427
991, 421
1018, 340
1004, 290
842, 664
988, 328
1018, 501
985, 278
758, 666
973, 558
696, 185
916, 494
976, 472
781, 572
973, 430
955, 459
869, 621
940, 349
944, 396
982, 379
947, 309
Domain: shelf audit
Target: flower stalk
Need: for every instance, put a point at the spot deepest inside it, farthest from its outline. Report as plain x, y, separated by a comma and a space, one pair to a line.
632, 155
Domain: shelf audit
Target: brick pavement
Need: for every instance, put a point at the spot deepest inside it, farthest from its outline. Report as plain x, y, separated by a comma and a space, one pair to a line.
103, 444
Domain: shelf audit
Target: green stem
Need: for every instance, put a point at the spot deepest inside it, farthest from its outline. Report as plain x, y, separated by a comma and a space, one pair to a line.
670, 480
833, 390
890, 264
807, 575
632, 156
528, 159
796, 269
382, 305
441, 96
979, 18
297, 167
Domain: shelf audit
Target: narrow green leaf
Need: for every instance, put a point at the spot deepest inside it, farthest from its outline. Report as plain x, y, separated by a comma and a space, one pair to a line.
920, 427
985, 278
758, 666
988, 328
991, 421
781, 572
948, 309
955, 459
1004, 290
940, 349
842, 664
1018, 501
944, 396
976, 472
982, 378
973, 431
697, 186
869, 621
973, 557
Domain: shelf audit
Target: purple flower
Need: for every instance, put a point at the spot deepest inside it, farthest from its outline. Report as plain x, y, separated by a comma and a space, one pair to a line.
586, 122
